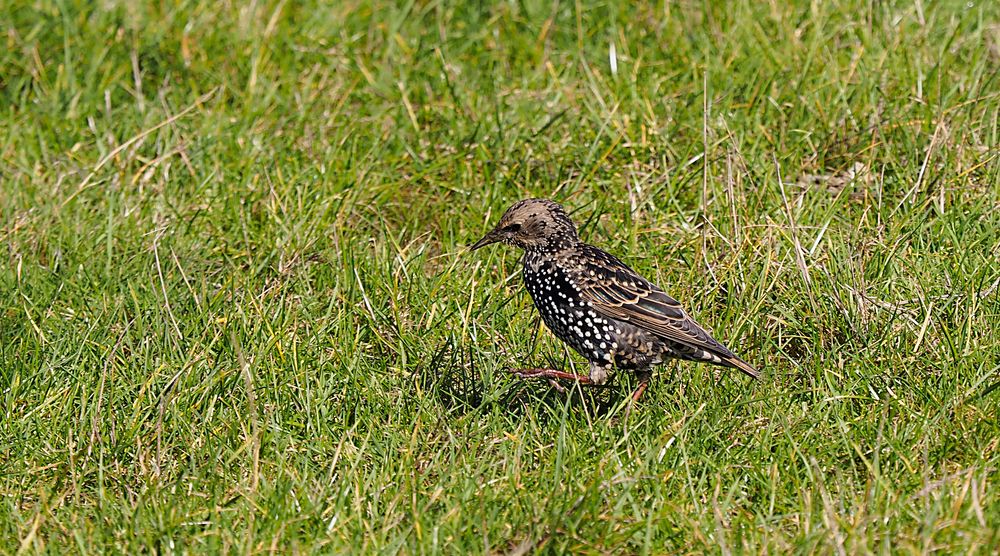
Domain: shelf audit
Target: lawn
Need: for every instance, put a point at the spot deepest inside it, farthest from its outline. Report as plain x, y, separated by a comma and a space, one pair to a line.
238, 313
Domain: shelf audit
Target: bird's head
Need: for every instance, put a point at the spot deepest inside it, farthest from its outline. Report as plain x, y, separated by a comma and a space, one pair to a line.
532, 224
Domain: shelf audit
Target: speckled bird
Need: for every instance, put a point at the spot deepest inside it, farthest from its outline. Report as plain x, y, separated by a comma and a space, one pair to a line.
603, 309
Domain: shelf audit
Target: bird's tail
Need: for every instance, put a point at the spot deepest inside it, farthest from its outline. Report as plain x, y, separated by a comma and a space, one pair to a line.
737, 363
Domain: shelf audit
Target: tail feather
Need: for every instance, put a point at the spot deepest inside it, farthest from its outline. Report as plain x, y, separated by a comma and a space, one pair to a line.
737, 363
718, 356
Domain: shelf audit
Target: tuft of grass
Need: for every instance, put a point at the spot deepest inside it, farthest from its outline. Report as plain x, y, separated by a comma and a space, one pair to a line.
237, 312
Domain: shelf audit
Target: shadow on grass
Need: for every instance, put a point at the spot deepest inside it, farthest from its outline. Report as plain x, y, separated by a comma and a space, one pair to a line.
451, 376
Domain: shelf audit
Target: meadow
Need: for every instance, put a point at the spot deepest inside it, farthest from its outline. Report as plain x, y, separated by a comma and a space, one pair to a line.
238, 313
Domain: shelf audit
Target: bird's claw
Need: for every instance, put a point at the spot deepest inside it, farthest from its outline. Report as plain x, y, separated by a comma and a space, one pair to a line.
529, 373
519, 373
535, 373
551, 375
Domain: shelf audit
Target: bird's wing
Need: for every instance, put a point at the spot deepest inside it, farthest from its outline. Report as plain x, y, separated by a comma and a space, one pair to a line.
614, 290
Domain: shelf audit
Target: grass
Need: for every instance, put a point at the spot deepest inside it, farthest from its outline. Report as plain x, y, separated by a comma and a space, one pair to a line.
237, 313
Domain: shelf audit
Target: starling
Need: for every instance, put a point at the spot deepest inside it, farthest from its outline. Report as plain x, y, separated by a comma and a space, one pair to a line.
592, 301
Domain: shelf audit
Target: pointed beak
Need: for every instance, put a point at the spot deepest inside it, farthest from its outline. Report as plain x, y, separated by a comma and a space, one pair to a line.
487, 239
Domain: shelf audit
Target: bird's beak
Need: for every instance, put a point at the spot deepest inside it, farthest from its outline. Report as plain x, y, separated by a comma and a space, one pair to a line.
487, 239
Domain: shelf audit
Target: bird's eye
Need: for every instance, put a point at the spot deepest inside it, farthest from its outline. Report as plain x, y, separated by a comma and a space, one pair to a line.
512, 228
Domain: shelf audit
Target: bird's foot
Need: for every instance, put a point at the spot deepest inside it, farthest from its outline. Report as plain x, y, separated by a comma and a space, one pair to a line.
550, 374
556, 386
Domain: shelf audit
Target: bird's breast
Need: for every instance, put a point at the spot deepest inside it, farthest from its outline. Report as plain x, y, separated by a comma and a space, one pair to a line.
550, 287
567, 314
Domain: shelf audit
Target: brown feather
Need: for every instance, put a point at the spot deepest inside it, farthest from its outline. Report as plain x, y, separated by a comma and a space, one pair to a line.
616, 291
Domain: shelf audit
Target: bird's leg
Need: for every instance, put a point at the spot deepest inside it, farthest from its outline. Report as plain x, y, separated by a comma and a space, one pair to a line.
643, 383
549, 374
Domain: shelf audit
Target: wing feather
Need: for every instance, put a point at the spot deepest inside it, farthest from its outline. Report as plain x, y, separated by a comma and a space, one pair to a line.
616, 291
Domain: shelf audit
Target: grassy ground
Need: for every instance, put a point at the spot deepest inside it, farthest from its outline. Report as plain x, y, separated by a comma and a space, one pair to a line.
237, 314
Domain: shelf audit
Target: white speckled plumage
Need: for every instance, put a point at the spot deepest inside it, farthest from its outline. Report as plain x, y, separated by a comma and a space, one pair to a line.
600, 307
